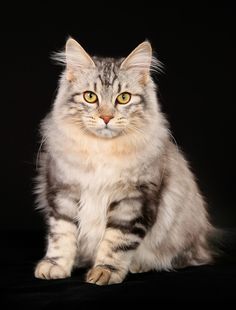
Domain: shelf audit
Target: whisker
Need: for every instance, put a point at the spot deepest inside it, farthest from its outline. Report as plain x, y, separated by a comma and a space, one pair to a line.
39, 151
173, 139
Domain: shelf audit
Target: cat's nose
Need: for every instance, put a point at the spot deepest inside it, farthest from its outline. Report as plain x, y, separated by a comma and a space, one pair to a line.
106, 118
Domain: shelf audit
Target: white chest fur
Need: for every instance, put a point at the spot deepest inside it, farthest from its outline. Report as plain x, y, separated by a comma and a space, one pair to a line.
97, 181
102, 177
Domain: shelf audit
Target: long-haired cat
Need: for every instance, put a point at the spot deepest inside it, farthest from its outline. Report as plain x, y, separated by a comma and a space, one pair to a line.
117, 194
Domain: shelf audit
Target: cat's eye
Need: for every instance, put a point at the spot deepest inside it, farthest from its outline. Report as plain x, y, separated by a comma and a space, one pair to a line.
90, 97
123, 98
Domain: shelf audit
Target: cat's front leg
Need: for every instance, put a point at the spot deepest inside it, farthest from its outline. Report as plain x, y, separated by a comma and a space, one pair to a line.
61, 250
126, 227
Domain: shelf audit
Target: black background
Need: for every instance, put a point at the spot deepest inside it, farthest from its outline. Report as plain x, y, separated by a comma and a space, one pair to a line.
197, 48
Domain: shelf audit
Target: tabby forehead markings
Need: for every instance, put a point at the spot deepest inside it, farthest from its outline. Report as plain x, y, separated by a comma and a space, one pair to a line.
119, 88
95, 86
108, 74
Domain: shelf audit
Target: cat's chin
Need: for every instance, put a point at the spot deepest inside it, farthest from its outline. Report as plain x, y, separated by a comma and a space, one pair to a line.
105, 133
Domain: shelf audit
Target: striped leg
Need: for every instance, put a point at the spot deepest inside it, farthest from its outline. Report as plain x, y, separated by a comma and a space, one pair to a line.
61, 250
126, 227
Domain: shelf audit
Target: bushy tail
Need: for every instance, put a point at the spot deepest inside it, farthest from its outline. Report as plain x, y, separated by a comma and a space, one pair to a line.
223, 244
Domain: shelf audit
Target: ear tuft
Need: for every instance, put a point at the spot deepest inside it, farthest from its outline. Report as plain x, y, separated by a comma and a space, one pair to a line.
77, 56
139, 59
74, 57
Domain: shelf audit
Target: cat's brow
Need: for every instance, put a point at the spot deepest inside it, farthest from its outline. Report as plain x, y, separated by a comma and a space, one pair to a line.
141, 96
119, 88
76, 94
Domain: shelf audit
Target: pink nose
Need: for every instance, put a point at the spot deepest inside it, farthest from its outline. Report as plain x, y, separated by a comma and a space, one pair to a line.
106, 118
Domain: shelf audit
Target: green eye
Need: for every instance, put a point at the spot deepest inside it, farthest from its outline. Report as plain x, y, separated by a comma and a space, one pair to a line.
123, 98
90, 97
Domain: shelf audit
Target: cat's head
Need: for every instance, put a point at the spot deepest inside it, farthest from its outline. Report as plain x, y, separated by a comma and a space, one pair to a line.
107, 97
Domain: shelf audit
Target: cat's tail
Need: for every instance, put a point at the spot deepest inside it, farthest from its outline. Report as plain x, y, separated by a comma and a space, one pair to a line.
223, 244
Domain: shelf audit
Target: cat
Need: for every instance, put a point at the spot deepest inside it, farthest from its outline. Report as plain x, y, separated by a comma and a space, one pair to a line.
117, 194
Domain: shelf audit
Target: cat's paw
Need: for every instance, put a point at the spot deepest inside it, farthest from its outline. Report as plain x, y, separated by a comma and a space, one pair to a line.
49, 270
101, 275
137, 268
98, 275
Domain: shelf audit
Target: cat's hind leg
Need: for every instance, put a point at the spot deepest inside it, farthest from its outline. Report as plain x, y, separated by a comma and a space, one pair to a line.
136, 267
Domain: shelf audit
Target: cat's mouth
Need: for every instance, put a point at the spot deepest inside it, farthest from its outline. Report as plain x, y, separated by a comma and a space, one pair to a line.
106, 132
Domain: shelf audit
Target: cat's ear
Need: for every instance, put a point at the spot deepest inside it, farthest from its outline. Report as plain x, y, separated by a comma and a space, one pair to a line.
139, 61
76, 58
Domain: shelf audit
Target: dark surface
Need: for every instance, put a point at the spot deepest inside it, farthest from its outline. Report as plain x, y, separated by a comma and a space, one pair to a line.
22, 250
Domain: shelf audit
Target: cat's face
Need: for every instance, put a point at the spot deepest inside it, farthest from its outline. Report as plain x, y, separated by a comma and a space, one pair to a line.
106, 97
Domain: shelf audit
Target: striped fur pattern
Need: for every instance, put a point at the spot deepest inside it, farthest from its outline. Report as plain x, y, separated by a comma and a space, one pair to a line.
117, 197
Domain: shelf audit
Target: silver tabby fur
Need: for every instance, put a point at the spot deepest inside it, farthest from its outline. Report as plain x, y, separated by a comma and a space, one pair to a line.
118, 197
